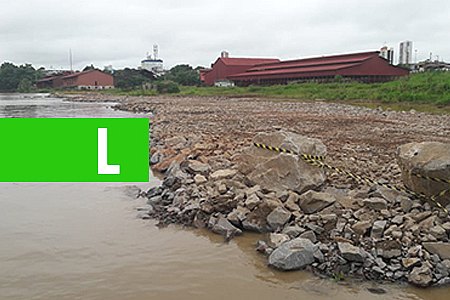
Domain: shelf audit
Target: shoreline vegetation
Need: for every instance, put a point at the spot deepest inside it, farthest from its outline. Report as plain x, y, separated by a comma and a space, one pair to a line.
424, 92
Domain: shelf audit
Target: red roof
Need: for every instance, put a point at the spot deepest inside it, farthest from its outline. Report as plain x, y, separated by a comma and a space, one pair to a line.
79, 73
316, 61
241, 61
298, 70
324, 65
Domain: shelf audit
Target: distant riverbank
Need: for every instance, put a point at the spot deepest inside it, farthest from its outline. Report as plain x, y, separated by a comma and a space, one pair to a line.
424, 92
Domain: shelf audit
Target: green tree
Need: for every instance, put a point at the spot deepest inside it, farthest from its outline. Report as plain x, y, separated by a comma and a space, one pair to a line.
131, 78
183, 75
24, 86
167, 87
11, 76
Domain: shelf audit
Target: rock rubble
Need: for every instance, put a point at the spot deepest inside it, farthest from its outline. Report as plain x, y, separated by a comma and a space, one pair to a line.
320, 221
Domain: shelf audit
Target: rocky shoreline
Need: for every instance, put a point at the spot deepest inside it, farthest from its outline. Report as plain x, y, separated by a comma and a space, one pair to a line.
311, 218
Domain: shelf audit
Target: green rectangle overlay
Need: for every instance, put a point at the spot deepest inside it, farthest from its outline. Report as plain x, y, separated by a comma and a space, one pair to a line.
67, 150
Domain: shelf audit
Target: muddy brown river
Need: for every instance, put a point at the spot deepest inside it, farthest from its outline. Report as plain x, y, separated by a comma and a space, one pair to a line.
83, 241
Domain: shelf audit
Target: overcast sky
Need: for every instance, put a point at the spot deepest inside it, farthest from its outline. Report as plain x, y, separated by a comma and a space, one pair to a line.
121, 32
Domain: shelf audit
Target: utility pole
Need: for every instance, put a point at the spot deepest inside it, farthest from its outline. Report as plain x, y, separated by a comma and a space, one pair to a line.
70, 59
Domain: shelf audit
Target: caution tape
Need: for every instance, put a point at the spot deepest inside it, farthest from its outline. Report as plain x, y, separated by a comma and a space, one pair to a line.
318, 161
287, 151
440, 180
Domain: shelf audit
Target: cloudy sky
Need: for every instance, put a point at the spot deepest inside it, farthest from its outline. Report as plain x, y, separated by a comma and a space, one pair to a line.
121, 32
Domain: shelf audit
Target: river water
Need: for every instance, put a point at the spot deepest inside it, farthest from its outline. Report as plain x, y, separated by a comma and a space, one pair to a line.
83, 241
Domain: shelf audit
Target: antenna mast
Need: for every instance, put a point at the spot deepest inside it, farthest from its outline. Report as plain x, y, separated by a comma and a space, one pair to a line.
155, 52
70, 59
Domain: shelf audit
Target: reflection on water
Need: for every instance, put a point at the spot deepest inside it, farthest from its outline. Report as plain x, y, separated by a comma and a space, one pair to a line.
82, 241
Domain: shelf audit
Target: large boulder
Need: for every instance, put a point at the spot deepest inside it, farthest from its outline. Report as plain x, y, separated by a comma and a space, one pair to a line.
428, 159
293, 255
421, 276
279, 171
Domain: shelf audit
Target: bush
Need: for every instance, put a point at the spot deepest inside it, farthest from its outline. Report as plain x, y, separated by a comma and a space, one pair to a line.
167, 87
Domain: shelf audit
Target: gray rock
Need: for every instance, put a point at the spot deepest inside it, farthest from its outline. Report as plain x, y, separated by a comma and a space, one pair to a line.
446, 226
310, 235
378, 270
421, 276
317, 229
199, 179
293, 231
194, 167
441, 249
351, 253
155, 200
399, 274
380, 262
256, 219
223, 174
375, 203
391, 253
318, 256
262, 247
446, 263
410, 262
406, 204
311, 201
398, 220
444, 281
361, 227
143, 215
438, 232
428, 159
252, 201
237, 215
291, 202
276, 239
278, 217
441, 271
328, 218
225, 228
222, 188
156, 158
378, 229
415, 251
293, 255
279, 171
253, 190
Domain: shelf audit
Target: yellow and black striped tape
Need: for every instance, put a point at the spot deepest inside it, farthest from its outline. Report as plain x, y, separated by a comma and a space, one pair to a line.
318, 161
287, 151
440, 180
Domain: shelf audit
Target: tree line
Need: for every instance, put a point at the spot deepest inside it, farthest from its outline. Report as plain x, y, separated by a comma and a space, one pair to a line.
18, 78
23, 78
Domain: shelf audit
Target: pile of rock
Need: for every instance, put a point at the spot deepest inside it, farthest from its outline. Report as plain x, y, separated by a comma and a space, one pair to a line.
374, 233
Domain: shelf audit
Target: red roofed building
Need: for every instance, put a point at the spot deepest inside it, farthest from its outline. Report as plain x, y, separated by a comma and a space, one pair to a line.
364, 67
90, 79
226, 66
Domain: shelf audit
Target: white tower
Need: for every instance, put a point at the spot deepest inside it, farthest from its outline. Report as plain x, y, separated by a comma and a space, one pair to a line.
405, 53
153, 64
155, 51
